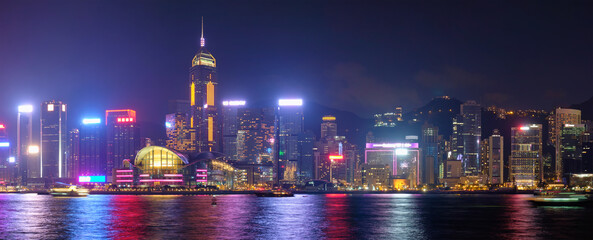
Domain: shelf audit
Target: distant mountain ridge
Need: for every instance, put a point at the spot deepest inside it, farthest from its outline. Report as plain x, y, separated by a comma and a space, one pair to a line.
586, 108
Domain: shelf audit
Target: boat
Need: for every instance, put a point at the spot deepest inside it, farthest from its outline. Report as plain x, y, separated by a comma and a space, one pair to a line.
70, 191
553, 198
275, 193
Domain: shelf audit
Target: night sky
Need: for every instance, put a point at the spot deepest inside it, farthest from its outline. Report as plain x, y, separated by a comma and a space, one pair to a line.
355, 56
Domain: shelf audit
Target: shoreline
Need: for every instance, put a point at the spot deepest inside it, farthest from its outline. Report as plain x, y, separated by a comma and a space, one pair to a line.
436, 192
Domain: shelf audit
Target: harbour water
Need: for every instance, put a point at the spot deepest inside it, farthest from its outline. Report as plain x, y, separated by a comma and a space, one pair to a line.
319, 216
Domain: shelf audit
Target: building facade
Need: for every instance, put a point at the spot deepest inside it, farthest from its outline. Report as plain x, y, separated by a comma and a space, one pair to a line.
495, 158
54, 135
92, 148
289, 125
123, 137
205, 119
471, 113
28, 167
526, 155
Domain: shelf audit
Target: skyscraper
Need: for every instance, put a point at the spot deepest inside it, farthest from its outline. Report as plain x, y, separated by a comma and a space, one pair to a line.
123, 137
54, 140
178, 133
5, 160
92, 148
74, 151
255, 137
430, 160
28, 167
562, 116
306, 161
329, 128
571, 148
230, 126
526, 155
471, 112
495, 158
204, 100
290, 124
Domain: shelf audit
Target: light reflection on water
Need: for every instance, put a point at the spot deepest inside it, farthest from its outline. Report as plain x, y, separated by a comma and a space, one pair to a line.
381, 216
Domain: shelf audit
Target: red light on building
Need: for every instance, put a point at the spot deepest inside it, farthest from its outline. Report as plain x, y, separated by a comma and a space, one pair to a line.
336, 157
125, 120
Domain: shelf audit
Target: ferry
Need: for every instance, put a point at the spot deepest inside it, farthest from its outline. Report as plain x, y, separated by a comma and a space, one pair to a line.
275, 193
552, 198
70, 191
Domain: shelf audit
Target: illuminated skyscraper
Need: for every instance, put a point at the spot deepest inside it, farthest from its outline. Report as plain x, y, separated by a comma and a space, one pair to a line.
255, 141
430, 160
230, 126
495, 158
54, 140
329, 128
562, 116
471, 112
571, 148
123, 137
204, 100
178, 133
290, 124
28, 166
6, 162
526, 155
74, 151
306, 161
92, 148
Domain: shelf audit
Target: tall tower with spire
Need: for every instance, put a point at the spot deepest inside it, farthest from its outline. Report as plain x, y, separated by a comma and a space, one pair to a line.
205, 114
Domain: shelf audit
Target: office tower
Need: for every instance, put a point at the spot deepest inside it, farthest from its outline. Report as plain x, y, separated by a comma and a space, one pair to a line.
329, 128
74, 151
571, 149
457, 138
484, 156
471, 112
123, 137
430, 154
290, 124
28, 167
54, 136
178, 133
204, 99
526, 155
255, 135
495, 158
92, 148
6, 163
306, 161
562, 116
230, 126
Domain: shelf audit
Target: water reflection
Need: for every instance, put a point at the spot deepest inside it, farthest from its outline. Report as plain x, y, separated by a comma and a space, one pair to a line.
383, 216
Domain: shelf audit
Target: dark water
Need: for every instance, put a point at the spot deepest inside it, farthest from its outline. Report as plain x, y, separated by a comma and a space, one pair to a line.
385, 216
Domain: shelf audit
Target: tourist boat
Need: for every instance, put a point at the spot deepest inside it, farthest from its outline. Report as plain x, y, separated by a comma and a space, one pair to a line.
275, 193
560, 199
70, 191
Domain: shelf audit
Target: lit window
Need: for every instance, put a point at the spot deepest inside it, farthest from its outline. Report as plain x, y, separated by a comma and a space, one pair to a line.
50, 107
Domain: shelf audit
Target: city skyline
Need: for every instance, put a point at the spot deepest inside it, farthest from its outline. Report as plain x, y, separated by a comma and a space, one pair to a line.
194, 119
113, 84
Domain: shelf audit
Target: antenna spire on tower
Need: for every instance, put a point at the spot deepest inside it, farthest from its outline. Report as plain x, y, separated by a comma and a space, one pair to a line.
202, 41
